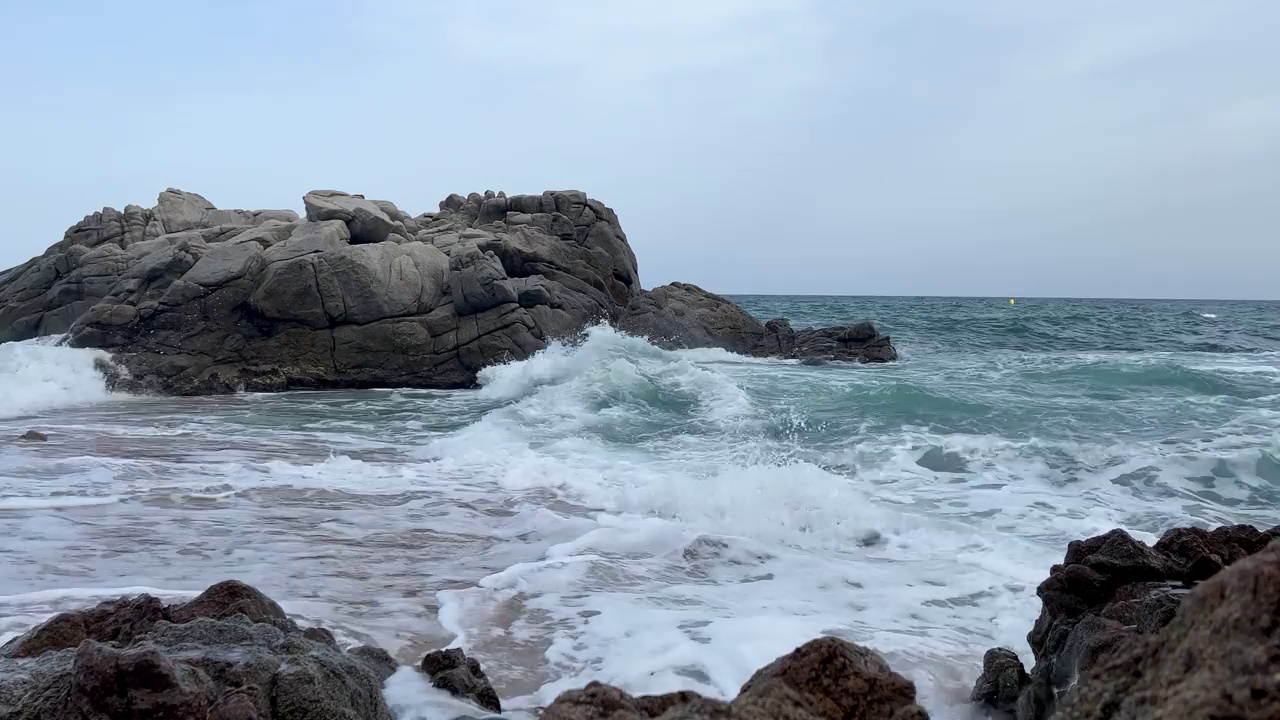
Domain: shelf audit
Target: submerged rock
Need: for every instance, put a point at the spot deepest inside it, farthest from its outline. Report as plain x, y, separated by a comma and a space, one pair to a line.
824, 679
34, 436
229, 654
190, 299
1110, 594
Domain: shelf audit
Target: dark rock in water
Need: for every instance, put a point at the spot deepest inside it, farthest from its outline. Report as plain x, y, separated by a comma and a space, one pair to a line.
190, 299
1219, 656
1111, 594
824, 679
944, 461
227, 655
681, 315
34, 436
452, 671
1002, 681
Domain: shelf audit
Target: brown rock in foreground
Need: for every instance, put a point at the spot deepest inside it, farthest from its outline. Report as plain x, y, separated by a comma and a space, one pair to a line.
1218, 658
824, 679
229, 654
1108, 596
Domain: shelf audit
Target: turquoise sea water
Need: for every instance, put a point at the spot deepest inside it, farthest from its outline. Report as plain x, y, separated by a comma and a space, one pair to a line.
658, 520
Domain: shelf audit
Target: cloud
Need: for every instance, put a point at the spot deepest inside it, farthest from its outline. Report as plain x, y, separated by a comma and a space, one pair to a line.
750, 146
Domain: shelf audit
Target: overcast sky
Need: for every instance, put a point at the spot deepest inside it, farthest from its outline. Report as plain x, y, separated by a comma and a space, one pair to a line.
1095, 148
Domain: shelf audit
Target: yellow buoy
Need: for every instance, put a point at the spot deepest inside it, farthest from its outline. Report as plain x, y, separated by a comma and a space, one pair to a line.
1010, 301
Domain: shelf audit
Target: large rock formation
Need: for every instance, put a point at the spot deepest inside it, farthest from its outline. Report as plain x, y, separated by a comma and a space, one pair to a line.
1109, 596
229, 654
193, 300
824, 679
1218, 658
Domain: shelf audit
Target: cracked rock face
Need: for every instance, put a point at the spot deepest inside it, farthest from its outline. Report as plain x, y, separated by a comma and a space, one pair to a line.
190, 299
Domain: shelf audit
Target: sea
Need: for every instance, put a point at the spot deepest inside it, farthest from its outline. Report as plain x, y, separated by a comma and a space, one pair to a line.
607, 510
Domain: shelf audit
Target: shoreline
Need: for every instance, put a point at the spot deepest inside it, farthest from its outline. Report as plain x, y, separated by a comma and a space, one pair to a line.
1139, 594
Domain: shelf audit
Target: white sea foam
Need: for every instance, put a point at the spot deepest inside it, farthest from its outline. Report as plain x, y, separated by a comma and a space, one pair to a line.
38, 375
56, 502
659, 520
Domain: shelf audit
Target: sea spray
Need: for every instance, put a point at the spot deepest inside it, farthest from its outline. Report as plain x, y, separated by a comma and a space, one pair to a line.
39, 375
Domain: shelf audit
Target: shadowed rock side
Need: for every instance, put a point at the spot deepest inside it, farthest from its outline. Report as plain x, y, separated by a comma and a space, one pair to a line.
1110, 595
461, 676
230, 654
1218, 658
824, 679
194, 300
680, 315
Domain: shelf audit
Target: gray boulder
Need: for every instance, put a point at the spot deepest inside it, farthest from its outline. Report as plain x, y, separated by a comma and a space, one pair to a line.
368, 222
192, 299
461, 676
229, 654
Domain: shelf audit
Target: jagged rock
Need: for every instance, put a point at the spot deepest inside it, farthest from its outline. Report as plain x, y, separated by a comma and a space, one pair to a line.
191, 299
824, 679
1218, 657
1002, 681
34, 436
455, 673
1111, 594
681, 315
229, 654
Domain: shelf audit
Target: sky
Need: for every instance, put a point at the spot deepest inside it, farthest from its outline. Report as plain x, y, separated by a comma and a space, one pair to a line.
994, 147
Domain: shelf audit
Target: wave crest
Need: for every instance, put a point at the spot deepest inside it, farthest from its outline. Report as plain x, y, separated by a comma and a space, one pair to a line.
39, 375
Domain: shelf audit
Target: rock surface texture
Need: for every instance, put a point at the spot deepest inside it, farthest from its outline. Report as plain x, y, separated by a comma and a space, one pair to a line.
229, 654
1111, 596
824, 679
190, 299
455, 673
1218, 658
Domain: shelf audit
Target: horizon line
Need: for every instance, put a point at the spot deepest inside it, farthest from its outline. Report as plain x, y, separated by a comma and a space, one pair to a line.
1002, 297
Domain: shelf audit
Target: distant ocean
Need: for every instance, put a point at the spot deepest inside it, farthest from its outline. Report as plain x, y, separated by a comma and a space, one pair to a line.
661, 520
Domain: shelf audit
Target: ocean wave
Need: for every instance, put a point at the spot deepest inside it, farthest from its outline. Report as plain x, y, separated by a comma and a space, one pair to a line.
38, 375
57, 502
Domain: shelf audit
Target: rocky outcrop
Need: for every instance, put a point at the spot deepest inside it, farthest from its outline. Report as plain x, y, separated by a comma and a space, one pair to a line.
190, 299
681, 315
229, 654
1219, 657
1111, 594
824, 679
